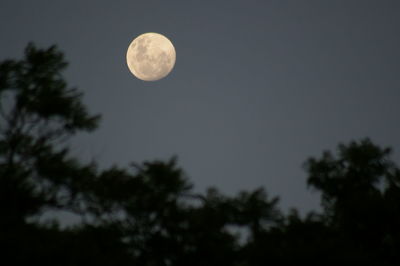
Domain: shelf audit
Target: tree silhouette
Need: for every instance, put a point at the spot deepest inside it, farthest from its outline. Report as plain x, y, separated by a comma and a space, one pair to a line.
38, 110
149, 214
360, 195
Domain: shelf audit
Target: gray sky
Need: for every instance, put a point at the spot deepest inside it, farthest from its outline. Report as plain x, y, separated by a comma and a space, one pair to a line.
258, 86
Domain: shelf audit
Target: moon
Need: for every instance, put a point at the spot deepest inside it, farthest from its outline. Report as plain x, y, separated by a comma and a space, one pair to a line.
151, 56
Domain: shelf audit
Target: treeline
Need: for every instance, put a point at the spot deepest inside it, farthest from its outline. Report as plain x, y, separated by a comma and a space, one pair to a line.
149, 214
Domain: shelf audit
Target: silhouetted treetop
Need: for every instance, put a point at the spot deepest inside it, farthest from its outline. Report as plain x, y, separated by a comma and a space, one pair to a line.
39, 98
361, 195
37, 112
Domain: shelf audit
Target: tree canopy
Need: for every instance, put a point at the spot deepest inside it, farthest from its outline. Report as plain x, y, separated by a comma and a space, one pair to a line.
149, 214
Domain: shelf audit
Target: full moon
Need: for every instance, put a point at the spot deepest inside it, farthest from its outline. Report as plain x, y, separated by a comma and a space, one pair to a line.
150, 56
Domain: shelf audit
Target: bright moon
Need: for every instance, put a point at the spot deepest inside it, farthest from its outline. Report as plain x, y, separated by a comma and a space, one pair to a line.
150, 56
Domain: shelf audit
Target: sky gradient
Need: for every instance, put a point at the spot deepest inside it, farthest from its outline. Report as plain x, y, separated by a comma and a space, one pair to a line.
257, 88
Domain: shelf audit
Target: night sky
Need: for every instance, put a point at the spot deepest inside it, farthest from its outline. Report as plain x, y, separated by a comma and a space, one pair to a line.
257, 88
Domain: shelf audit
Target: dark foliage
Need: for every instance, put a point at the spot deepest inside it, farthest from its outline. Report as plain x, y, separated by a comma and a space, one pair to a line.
149, 214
